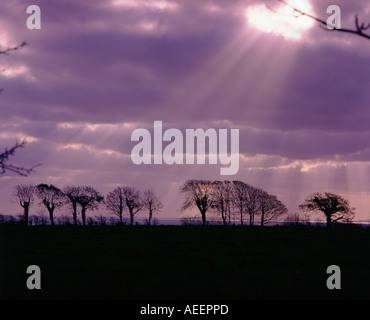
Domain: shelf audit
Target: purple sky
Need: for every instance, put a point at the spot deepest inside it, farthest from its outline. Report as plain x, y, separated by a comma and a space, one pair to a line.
99, 69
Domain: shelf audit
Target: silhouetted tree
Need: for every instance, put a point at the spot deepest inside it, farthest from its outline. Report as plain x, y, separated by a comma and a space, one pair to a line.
152, 203
25, 196
198, 193
133, 201
71, 194
222, 199
270, 207
332, 205
251, 200
88, 198
240, 198
51, 196
115, 202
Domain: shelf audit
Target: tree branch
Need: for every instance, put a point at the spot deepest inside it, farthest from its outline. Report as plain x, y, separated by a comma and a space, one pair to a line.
360, 28
4, 157
6, 51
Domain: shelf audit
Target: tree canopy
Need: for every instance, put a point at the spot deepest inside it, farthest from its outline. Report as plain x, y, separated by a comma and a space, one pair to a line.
334, 207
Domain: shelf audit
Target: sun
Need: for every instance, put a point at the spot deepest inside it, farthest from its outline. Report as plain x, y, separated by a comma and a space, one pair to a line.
282, 20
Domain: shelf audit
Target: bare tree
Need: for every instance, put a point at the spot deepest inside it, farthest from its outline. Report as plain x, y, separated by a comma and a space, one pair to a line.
333, 206
51, 196
88, 198
359, 30
247, 200
5, 166
222, 199
240, 198
198, 193
133, 201
271, 207
115, 202
25, 196
252, 201
71, 194
152, 203
228, 198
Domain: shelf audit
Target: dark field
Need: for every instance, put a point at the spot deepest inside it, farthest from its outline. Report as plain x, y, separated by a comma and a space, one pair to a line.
184, 262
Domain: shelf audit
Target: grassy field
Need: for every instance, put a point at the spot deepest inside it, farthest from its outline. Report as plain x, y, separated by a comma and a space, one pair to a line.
184, 262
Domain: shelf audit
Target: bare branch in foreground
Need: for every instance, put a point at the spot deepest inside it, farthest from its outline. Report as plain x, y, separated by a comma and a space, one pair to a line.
360, 27
4, 158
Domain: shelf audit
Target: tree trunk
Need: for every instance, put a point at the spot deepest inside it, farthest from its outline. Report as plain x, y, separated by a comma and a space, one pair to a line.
241, 214
204, 218
74, 213
223, 216
51, 215
150, 216
83, 214
328, 221
131, 217
120, 209
26, 207
51, 212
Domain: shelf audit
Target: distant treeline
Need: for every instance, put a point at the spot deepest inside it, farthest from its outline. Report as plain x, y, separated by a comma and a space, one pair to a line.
65, 220
104, 220
230, 202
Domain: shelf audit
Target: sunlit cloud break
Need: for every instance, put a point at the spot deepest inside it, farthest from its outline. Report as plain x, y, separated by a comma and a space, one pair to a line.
284, 22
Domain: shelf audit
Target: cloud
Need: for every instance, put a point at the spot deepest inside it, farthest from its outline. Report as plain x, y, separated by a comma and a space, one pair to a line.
95, 71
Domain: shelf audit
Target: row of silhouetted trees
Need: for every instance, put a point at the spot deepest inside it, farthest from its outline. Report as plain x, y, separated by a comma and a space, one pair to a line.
232, 199
228, 200
85, 198
237, 198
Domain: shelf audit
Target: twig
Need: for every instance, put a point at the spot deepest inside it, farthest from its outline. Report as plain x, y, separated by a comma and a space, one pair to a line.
359, 28
4, 157
6, 51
